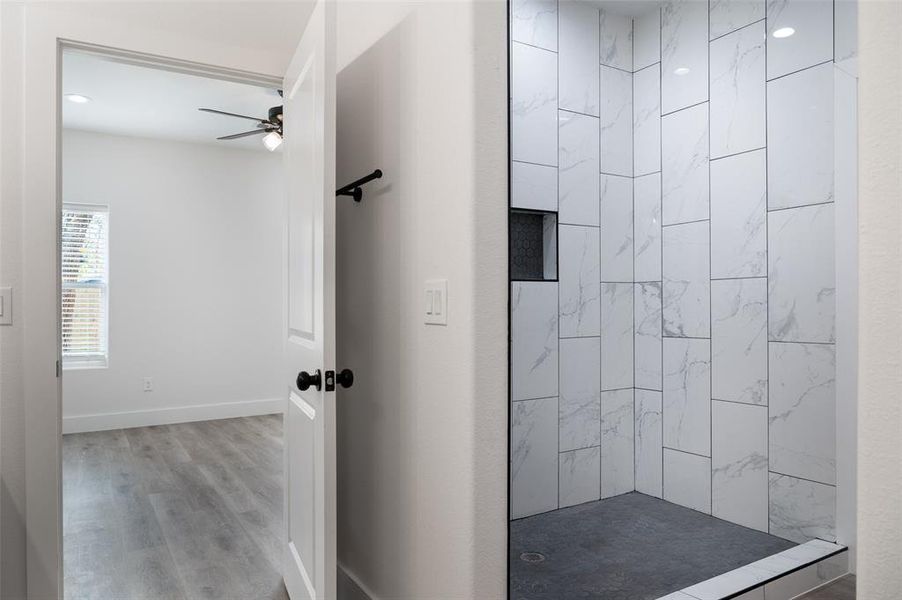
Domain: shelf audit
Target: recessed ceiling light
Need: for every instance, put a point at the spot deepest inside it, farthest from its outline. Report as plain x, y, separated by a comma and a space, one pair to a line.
681, 71
784, 32
77, 98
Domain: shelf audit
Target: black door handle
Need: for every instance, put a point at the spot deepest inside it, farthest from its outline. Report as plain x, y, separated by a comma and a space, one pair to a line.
305, 380
345, 378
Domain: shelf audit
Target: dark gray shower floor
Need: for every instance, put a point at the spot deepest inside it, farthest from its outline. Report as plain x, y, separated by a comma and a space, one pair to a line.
631, 547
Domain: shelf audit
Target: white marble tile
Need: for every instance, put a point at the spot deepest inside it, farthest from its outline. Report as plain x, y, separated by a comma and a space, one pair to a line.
739, 215
647, 303
687, 395
730, 15
616, 41
687, 283
808, 578
812, 40
534, 339
533, 105
647, 206
617, 443
647, 120
739, 340
616, 228
579, 281
534, 22
533, 186
684, 165
800, 137
579, 401
649, 475
578, 56
845, 43
534, 457
684, 54
549, 245
803, 411
739, 463
616, 335
802, 510
738, 91
687, 480
647, 38
616, 121
801, 274
578, 175
579, 475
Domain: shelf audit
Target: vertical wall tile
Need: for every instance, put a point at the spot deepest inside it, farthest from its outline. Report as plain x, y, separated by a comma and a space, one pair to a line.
684, 165
579, 169
647, 205
579, 281
739, 215
647, 120
533, 105
617, 443
534, 457
687, 282
616, 121
579, 476
648, 335
739, 340
549, 245
534, 336
803, 411
684, 54
687, 395
800, 138
801, 274
687, 480
846, 32
579, 403
616, 41
730, 15
802, 510
649, 470
616, 228
616, 335
739, 464
810, 44
533, 186
534, 22
578, 47
647, 39
738, 91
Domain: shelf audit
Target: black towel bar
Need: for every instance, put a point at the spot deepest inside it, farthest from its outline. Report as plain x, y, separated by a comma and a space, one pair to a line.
353, 188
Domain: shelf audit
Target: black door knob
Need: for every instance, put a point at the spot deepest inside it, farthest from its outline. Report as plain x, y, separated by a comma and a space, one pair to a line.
305, 380
345, 378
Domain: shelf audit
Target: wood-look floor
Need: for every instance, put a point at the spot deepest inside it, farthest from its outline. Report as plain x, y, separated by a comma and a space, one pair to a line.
181, 511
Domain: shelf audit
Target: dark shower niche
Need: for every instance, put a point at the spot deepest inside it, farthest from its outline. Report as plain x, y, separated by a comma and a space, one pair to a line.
533, 245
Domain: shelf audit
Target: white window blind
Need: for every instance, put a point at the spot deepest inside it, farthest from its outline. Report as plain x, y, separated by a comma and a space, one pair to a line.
85, 268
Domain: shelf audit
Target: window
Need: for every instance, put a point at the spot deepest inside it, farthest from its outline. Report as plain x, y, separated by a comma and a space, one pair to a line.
85, 268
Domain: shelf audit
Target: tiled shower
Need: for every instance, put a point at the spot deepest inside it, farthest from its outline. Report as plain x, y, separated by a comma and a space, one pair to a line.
676, 178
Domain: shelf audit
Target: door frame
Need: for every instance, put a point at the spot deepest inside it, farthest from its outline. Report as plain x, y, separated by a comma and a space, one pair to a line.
41, 276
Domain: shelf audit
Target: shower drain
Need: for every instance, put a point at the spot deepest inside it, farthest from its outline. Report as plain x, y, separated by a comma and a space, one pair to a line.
532, 557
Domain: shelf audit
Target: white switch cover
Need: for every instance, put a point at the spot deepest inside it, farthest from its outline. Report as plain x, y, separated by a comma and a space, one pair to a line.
436, 302
6, 306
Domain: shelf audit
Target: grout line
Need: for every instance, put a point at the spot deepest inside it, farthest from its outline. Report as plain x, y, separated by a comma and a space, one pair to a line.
710, 294
576, 112
781, 209
528, 45
737, 153
833, 485
738, 278
696, 105
687, 452
801, 343
527, 162
820, 64
723, 35
686, 222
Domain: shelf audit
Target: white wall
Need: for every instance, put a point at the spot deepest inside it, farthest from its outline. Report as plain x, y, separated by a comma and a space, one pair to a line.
195, 280
880, 319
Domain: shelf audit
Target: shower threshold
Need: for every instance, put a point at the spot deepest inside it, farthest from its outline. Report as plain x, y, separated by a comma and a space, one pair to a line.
630, 547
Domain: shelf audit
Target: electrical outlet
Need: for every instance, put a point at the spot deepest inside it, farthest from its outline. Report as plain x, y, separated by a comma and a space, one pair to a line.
148, 384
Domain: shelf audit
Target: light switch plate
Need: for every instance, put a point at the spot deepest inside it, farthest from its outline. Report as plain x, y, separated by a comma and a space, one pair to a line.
436, 302
6, 306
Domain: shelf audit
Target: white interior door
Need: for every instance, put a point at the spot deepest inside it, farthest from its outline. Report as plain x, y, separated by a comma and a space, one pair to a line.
309, 155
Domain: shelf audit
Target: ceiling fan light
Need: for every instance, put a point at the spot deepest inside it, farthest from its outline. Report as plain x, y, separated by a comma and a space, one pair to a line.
272, 140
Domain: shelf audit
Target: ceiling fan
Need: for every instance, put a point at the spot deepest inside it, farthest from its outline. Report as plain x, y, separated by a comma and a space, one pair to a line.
271, 126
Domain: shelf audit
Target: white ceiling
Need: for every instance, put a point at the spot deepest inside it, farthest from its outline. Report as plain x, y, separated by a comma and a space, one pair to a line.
153, 103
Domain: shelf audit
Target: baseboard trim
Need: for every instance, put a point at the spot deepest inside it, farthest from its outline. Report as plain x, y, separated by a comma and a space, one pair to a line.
362, 592
166, 416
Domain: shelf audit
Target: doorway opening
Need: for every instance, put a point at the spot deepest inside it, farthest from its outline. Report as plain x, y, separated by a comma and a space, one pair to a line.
172, 311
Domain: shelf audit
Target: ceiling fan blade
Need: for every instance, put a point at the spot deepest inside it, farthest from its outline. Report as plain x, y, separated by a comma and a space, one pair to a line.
228, 114
235, 136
